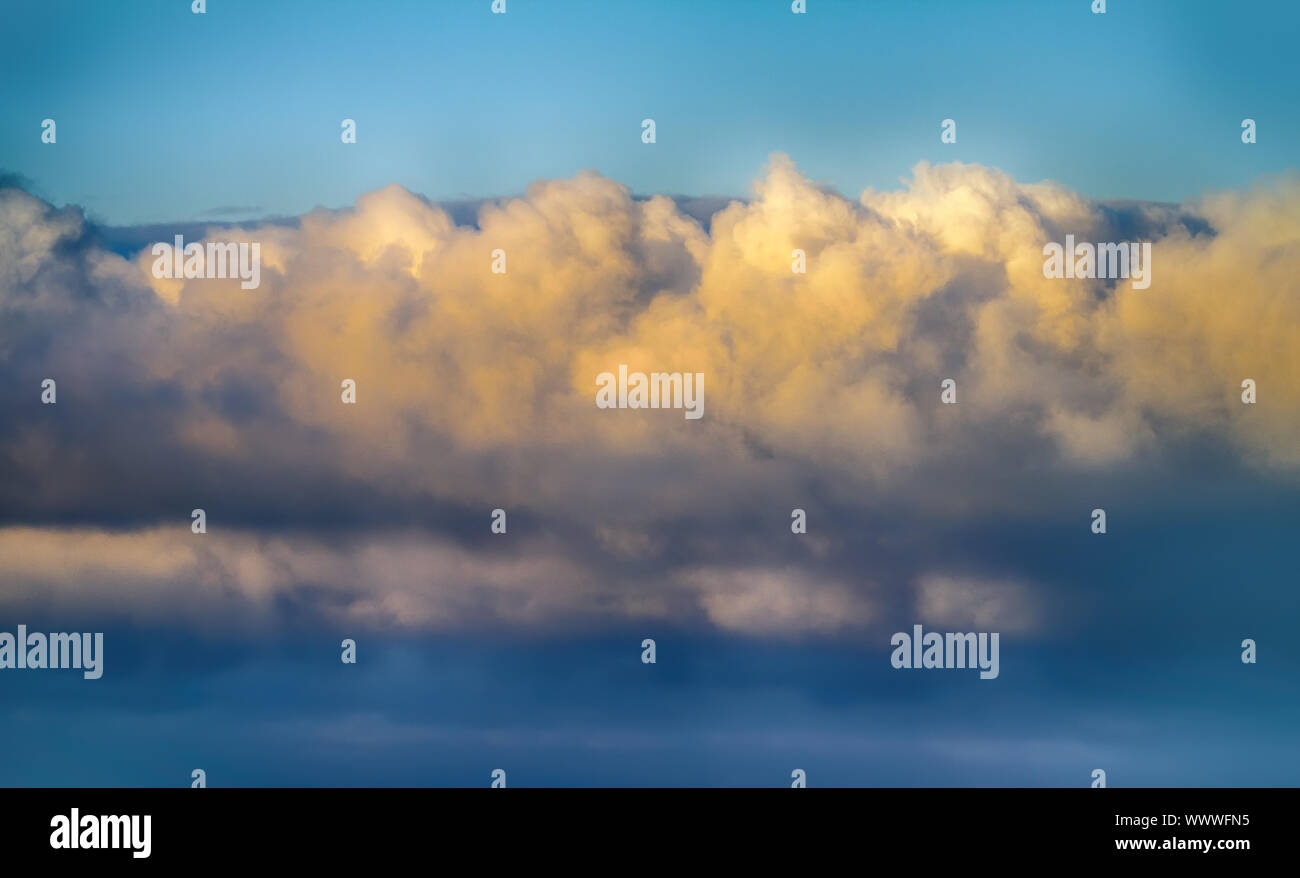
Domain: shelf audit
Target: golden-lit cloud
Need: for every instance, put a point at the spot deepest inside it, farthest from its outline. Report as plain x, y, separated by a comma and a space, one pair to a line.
394, 295
476, 389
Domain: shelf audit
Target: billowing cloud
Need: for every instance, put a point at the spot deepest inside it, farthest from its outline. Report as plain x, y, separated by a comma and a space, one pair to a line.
475, 390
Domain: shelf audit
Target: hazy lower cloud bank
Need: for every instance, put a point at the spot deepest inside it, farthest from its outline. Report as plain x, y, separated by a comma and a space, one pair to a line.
476, 390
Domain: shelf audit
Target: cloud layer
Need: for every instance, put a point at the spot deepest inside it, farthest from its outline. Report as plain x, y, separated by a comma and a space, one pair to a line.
476, 390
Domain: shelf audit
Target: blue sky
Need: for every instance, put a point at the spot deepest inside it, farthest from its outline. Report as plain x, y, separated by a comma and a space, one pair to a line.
166, 115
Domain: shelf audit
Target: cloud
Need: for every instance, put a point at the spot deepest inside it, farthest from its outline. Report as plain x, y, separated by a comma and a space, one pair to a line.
775, 602
402, 580
161, 575
476, 391
976, 604
232, 210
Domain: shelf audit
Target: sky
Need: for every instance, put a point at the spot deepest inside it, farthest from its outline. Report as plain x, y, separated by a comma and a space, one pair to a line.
165, 115
476, 390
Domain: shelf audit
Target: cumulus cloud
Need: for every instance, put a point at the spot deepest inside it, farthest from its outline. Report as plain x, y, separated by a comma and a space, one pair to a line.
476, 390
